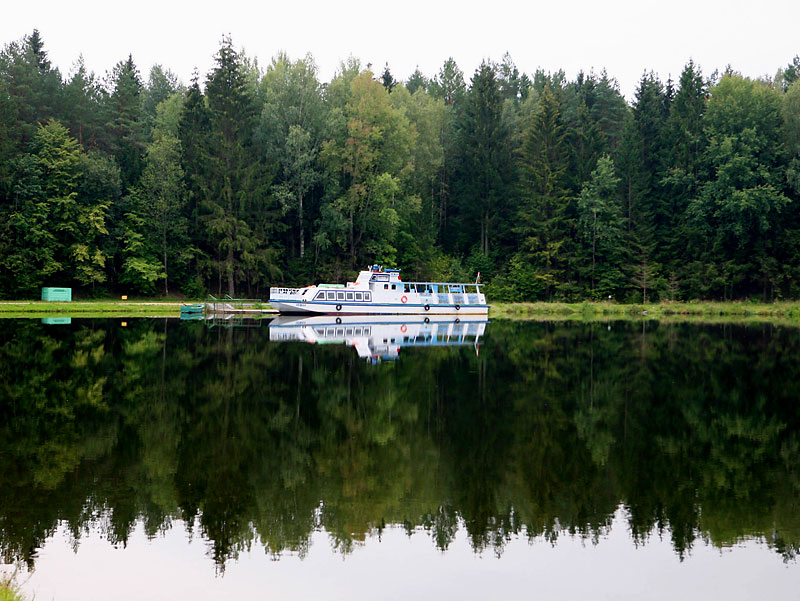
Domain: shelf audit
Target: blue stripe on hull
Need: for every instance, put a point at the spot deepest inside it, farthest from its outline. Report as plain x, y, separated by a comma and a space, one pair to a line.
363, 305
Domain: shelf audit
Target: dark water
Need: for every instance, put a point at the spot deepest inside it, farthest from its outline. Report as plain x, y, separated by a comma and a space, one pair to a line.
470, 464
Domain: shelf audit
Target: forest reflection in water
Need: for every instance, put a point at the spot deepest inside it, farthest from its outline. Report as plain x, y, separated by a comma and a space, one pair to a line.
693, 430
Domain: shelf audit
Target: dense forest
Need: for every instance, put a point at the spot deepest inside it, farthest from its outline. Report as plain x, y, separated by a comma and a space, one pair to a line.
252, 176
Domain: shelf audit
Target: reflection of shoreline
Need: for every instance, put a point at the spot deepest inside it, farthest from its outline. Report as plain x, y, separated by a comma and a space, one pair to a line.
379, 338
181, 569
696, 431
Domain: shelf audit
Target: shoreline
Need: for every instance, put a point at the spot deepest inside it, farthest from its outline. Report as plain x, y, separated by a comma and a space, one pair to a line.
95, 308
784, 311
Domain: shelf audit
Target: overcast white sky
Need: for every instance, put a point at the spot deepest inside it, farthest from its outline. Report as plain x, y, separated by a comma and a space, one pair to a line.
624, 36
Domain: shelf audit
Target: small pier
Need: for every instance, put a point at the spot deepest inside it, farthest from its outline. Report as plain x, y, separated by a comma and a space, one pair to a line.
228, 305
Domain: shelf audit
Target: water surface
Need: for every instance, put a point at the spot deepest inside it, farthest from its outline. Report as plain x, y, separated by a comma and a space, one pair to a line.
508, 460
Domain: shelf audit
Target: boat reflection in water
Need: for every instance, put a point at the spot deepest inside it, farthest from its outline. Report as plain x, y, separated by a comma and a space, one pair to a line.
379, 338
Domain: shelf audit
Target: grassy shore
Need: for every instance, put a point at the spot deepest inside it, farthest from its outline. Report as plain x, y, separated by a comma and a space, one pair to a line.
599, 310
138, 308
692, 311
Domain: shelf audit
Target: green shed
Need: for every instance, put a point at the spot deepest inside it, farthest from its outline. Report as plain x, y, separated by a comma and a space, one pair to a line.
57, 294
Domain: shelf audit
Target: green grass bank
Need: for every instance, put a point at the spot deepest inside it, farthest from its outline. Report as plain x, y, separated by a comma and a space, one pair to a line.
599, 310
90, 308
691, 311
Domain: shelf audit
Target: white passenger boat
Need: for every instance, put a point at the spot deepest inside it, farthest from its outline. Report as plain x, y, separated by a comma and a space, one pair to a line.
379, 291
380, 338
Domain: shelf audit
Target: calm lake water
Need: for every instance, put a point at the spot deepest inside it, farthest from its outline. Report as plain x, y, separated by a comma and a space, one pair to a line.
309, 459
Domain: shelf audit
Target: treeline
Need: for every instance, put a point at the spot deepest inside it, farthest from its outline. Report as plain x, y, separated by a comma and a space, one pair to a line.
551, 188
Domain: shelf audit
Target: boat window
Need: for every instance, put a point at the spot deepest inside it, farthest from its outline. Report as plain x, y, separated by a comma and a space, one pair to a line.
406, 288
331, 296
367, 331
357, 331
320, 296
348, 332
368, 296
350, 296
386, 286
394, 287
339, 332
359, 296
329, 332
340, 296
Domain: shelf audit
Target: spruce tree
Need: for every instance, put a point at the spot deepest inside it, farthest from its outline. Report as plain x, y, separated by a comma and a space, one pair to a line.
417, 81
126, 121
686, 143
600, 226
650, 110
234, 196
485, 161
540, 267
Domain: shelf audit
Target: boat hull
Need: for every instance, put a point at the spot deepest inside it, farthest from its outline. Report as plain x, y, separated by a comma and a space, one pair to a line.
344, 308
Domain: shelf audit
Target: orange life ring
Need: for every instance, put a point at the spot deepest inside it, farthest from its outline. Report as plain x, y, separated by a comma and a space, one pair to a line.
403, 299
404, 328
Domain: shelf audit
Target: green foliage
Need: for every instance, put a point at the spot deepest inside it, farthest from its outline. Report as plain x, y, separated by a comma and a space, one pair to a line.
57, 234
736, 215
125, 114
543, 222
234, 187
369, 160
600, 224
485, 157
260, 175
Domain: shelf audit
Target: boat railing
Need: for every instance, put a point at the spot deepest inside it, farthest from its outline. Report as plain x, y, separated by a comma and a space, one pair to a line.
273, 292
443, 287
446, 293
454, 284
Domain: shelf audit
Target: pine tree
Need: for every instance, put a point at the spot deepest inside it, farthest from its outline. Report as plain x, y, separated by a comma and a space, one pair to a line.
686, 143
33, 86
126, 121
161, 84
234, 193
83, 101
449, 83
448, 86
417, 81
544, 226
485, 160
600, 224
387, 79
650, 110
